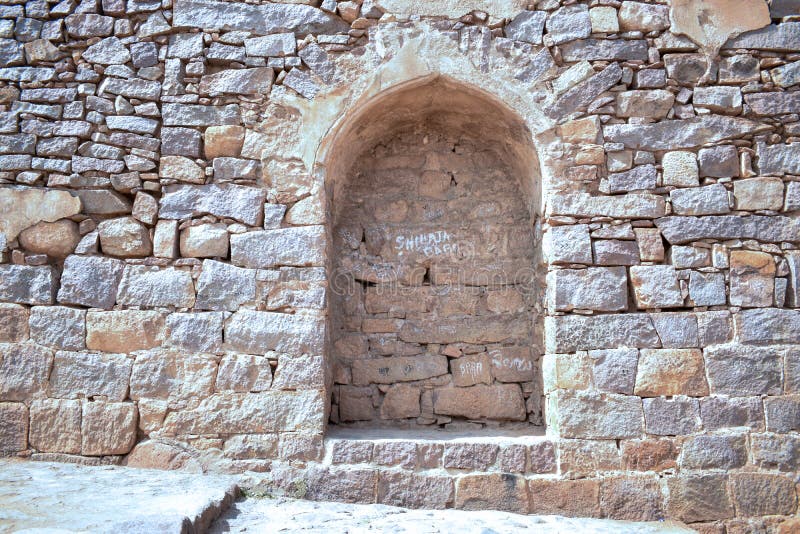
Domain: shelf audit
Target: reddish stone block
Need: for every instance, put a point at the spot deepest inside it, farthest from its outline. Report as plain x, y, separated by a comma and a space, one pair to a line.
474, 456
570, 498
632, 499
409, 490
649, 455
492, 492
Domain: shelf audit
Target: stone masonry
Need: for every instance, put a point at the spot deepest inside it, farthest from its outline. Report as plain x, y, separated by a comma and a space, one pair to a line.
565, 232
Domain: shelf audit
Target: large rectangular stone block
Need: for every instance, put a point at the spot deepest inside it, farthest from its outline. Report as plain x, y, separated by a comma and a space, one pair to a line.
677, 134
13, 427
14, 321
632, 205
108, 428
670, 372
569, 333
24, 370
56, 426
671, 417
415, 491
78, 375
740, 370
774, 229
398, 369
245, 204
298, 246
595, 288
251, 413
58, 327
124, 331
255, 332
22, 284
147, 286
90, 281
492, 492
767, 326
487, 329
481, 402
570, 498
697, 498
589, 415
176, 378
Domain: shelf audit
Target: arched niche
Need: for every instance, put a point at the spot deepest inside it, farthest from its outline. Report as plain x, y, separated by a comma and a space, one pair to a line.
434, 198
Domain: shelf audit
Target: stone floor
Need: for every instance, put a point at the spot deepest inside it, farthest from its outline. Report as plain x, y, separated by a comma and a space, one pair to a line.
285, 515
53, 497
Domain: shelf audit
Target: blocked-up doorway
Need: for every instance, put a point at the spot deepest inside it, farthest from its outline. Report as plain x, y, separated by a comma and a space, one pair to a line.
435, 293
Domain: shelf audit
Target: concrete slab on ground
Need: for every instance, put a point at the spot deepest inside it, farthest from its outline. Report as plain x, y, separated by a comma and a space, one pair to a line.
289, 515
57, 497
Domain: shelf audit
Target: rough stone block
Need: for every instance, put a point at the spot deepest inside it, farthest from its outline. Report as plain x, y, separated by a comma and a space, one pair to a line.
245, 204
298, 246
775, 451
196, 332
296, 372
680, 169
402, 453
600, 289
415, 491
243, 373
90, 281
714, 451
756, 494
632, 498
570, 498
767, 326
588, 415
640, 16
398, 369
758, 194
656, 286
741, 370
651, 103
58, 327
650, 244
707, 289
142, 285
471, 456
727, 412
14, 321
542, 457
251, 413
24, 370
706, 200
615, 252
255, 332
108, 428
528, 27
13, 428
637, 205
224, 287
566, 371
491, 402
670, 372
569, 333
351, 452
671, 417
677, 330
649, 455
21, 284
614, 370
580, 458
695, 498
678, 134
124, 331
125, 238
56, 426
569, 244
341, 485
492, 492
173, 377
718, 99
78, 375
783, 413
401, 402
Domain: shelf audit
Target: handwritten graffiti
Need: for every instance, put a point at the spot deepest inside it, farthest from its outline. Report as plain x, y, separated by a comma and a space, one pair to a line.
428, 244
471, 369
512, 363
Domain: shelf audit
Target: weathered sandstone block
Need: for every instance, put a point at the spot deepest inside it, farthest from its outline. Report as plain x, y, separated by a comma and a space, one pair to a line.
299, 246
90, 281
481, 401
58, 327
22, 284
245, 204
398, 369
588, 415
108, 428
24, 370
56, 426
569, 333
196, 332
14, 318
670, 372
492, 492
57, 239
125, 238
13, 427
78, 375
124, 331
24, 207
171, 376
255, 332
150, 286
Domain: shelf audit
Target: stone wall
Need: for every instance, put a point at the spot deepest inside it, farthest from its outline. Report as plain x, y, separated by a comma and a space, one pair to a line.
169, 179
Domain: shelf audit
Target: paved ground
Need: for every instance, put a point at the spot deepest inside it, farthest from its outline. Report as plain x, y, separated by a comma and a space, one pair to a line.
51, 497
39, 497
286, 516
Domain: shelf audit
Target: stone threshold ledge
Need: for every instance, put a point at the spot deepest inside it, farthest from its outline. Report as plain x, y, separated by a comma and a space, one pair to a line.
45, 496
